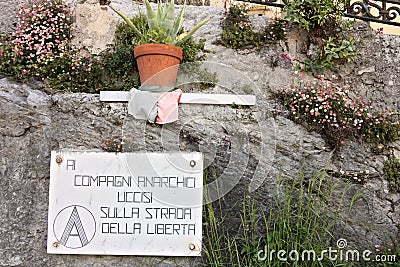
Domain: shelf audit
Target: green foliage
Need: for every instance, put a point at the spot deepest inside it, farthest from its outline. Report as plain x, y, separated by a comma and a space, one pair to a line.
238, 32
236, 106
381, 127
334, 51
301, 216
273, 32
41, 48
64, 67
193, 51
323, 19
34, 41
207, 79
118, 69
8, 62
310, 14
72, 72
117, 64
43, 31
391, 170
327, 107
163, 27
305, 217
337, 49
126, 36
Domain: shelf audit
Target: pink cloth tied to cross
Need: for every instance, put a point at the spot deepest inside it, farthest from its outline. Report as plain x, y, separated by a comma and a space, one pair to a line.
167, 106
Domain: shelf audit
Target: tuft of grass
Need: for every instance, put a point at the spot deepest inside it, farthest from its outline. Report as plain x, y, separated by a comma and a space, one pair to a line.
300, 216
391, 170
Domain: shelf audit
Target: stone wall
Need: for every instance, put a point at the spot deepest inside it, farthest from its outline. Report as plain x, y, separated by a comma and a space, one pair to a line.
7, 15
247, 148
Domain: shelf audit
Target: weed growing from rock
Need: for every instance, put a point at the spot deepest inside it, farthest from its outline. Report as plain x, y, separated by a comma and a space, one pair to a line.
274, 31
316, 14
300, 215
41, 47
323, 20
43, 31
328, 108
238, 32
333, 51
391, 170
116, 64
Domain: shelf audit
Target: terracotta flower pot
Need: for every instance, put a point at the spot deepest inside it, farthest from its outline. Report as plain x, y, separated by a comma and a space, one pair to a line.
158, 63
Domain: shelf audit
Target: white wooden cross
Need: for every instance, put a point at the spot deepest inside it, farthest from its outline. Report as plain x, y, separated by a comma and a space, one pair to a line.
188, 98
147, 109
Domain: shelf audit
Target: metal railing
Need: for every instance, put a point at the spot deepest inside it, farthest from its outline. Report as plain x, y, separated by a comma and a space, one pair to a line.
380, 11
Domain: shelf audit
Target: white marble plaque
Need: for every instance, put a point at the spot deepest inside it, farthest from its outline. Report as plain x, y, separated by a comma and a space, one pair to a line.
125, 203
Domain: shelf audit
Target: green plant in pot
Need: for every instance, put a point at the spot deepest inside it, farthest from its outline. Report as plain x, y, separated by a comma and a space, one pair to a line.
158, 55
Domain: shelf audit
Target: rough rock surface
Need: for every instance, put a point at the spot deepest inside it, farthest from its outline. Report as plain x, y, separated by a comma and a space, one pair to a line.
7, 15
246, 147
376, 76
95, 27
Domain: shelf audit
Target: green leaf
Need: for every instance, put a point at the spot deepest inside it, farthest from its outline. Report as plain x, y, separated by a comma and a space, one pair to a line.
151, 16
184, 36
159, 11
128, 21
169, 17
179, 21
